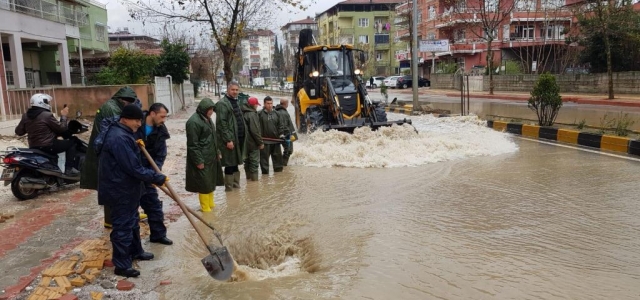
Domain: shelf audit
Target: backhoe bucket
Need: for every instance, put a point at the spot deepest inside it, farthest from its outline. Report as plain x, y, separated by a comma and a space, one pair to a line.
373, 125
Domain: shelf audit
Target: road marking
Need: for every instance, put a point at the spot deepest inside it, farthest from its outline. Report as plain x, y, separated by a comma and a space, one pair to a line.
581, 149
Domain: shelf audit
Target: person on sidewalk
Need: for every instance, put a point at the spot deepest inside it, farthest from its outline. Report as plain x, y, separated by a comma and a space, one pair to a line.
155, 136
287, 147
42, 129
231, 135
254, 139
121, 175
272, 128
89, 172
204, 171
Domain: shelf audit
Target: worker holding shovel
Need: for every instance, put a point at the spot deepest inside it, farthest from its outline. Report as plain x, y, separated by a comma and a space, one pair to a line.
204, 170
120, 178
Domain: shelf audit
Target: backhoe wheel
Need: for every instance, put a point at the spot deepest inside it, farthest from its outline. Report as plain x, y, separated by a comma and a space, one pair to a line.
20, 192
314, 118
381, 114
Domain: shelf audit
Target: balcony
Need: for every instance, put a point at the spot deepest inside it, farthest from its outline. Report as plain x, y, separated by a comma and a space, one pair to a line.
346, 30
51, 10
382, 63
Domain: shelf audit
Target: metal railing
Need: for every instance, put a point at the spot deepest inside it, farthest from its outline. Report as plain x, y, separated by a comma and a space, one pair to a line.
19, 100
48, 10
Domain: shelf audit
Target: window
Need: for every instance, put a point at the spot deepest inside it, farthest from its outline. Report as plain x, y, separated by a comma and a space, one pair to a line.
494, 34
29, 77
458, 35
432, 12
491, 5
524, 33
10, 77
526, 5
552, 32
431, 36
364, 39
553, 4
100, 34
363, 22
379, 55
419, 17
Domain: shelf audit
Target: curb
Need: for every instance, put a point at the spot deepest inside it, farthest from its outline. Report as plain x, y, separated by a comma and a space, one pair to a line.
406, 111
593, 140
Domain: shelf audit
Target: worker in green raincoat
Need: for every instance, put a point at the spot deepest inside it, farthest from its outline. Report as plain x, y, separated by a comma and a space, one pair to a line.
231, 135
89, 173
204, 171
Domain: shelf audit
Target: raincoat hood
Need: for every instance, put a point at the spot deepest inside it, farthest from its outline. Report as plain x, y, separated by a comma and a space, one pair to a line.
125, 92
33, 112
205, 104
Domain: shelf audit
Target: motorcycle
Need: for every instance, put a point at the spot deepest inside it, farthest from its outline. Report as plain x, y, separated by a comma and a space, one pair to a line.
31, 171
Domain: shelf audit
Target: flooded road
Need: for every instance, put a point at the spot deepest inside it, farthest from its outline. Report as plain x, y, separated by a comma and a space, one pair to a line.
459, 212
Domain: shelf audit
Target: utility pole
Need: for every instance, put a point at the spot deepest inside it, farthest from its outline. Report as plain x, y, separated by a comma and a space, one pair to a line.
270, 62
414, 54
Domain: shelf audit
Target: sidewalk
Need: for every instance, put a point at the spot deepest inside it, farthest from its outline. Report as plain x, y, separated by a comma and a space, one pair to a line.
592, 99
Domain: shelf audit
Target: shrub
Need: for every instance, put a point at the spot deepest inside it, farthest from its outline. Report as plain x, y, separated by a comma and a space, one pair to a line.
545, 99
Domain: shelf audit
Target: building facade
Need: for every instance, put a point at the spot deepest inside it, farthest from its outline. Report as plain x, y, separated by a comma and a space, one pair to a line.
124, 38
291, 32
257, 53
533, 33
369, 26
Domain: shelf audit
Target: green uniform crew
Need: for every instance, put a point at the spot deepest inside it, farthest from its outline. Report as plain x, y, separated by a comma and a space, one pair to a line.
254, 139
204, 171
287, 147
231, 135
273, 128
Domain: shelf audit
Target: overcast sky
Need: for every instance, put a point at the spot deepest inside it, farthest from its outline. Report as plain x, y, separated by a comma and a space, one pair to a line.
119, 17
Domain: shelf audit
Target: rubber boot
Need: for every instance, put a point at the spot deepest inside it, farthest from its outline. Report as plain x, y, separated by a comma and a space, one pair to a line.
253, 176
285, 161
212, 204
228, 182
236, 179
204, 202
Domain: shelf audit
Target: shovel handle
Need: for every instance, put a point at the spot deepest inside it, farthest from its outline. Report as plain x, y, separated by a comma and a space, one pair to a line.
215, 232
175, 198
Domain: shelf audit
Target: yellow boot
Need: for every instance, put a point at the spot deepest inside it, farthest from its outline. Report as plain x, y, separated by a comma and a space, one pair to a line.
211, 203
204, 202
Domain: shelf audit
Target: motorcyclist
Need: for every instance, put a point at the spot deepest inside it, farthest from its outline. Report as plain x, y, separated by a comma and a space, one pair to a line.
42, 129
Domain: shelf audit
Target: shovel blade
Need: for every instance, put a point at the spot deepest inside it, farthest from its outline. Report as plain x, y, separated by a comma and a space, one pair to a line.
219, 264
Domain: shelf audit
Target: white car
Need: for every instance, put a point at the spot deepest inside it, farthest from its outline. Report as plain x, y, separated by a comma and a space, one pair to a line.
391, 81
377, 81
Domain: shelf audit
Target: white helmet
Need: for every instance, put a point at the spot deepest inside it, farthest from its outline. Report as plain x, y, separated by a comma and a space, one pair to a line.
41, 100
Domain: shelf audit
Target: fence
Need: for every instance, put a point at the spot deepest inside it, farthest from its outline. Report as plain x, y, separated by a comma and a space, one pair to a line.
19, 100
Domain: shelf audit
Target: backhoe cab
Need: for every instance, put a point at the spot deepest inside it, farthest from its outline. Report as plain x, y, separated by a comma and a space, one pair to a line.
329, 92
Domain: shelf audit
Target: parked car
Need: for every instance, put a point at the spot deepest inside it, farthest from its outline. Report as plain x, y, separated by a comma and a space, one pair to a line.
287, 86
391, 81
406, 81
377, 81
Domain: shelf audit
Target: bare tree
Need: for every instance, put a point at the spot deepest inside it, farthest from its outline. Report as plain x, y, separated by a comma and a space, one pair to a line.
226, 20
483, 19
610, 20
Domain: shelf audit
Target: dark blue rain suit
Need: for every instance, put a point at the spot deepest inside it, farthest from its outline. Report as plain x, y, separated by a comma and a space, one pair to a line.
121, 176
156, 145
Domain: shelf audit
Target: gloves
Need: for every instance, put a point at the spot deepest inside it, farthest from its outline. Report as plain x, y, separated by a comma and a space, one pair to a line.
140, 142
281, 136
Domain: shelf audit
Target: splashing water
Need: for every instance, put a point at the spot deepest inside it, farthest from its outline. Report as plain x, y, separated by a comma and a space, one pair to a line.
277, 254
439, 139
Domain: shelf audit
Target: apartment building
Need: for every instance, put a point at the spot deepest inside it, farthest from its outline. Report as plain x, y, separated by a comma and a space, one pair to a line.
291, 32
36, 37
366, 24
533, 31
257, 50
124, 38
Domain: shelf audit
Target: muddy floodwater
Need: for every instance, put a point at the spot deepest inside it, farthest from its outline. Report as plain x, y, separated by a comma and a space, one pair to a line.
456, 212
